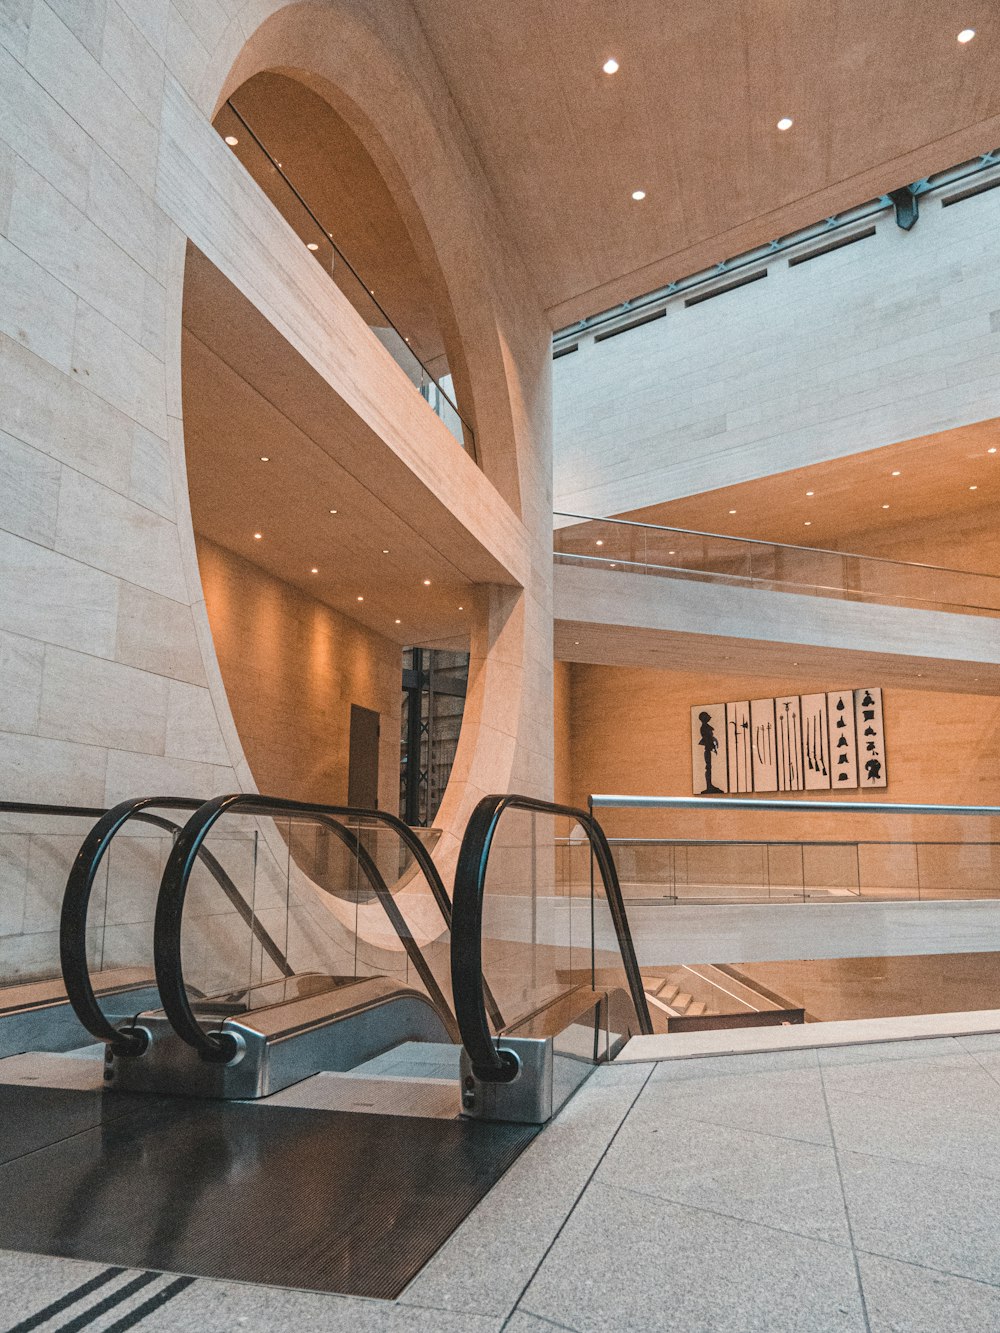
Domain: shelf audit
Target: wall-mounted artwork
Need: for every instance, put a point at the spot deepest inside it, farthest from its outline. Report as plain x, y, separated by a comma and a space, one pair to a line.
843, 751
738, 747
815, 743
764, 758
812, 742
788, 721
710, 773
871, 738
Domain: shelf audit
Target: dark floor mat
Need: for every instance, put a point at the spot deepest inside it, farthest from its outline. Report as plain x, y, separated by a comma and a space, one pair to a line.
35, 1117
329, 1200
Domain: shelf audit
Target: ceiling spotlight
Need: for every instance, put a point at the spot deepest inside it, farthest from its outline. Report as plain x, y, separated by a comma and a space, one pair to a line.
257, 536
232, 140
810, 492
808, 523
314, 570
896, 473
427, 583
992, 449
973, 488
785, 123
461, 608
385, 550
885, 506
599, 542
610, 66
399, 622
966, 35
265, 458
671, 553
333, 511
732, 511
638, 195
311, 245
360, 598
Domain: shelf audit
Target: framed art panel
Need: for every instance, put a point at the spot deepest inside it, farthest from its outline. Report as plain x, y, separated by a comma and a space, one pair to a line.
815, 743
843, 753
872, 770
788, 722
738, 751
709, 769
762, 744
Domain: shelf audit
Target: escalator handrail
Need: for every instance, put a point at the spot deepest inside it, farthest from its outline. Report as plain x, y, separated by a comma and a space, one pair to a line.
167, 961
76, 903
40, 808
489, 1061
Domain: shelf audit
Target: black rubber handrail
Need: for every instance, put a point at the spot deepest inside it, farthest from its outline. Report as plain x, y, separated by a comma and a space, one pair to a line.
219, 1047
40, 808
489, 1061
76, 903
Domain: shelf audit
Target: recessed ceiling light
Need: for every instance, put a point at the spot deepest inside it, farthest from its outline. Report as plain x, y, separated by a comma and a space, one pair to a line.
808, 523
385, 550
599, 542
896, 473
973, 488
232, 140
638, 195
992, 449
610, 66
312, 246
257, 536
360, 598
314, 570
885, 506
576, 643
785, 123
399, 622
732, 511
265, 458
613, 565
461, 608
333, 511
427, 583
966, 35
810, 492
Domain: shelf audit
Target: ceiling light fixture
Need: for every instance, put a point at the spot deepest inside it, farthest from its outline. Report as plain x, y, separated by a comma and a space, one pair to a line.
360, 598
973, 488
896, 473
427, 583
399, 622
314, 570
992, 449
808, 523
885, 506
966, 35
265, 458
385, 550
257, 536
461, 608
732, 511
610, 66
232, 140
312, 246
638, 195
785, 123
333, 511
810, 492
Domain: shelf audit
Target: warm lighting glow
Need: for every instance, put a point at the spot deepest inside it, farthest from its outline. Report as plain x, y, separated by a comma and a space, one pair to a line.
671, 553
427, 583
257, 536
232, 140
333, 511
264, 458
610, 66
312, 246
885, 506
385, 550
808, 523
785, 123
461, 608
599, 542
638, 195
360, 599
966, 35
810, 492
732, 511
314, 570
973, 488
896, 474
992, 449
399, 622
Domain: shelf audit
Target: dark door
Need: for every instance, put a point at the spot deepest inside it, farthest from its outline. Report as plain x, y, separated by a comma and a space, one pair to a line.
362, 769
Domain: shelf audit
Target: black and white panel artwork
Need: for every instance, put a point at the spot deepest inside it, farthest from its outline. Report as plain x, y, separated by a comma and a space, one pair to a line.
843, 754
738, 749
788, 724
708, 750
815, 743
762, 745
872, 770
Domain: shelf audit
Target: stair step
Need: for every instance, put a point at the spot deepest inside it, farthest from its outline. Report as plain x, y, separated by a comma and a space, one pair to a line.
697, 1009
680, 1002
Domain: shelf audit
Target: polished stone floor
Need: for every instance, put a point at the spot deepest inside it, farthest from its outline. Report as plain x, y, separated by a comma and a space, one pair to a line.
851, 1188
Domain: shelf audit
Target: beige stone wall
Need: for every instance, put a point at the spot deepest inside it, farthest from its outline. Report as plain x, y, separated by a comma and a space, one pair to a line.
292, 667
886, 340
108, 165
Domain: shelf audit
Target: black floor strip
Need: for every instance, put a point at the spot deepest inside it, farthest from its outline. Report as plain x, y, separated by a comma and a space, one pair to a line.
148, 1307
64, 1302
102, 1307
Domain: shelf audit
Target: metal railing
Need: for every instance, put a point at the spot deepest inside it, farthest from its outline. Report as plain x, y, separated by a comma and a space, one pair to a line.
630, 547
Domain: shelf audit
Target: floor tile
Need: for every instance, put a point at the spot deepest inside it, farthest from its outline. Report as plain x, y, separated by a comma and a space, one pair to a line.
486, 1263
625, 1262
728, 1066
788, 1102
775, 1182
925, 1215
878, 1052
902, 1298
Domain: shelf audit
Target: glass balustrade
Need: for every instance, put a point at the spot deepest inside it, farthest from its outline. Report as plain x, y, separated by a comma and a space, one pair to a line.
677, 553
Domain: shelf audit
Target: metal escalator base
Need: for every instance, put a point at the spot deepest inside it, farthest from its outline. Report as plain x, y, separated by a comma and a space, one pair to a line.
325, 1200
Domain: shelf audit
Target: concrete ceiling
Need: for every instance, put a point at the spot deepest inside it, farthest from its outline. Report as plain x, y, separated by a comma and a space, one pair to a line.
932, 515
880, 94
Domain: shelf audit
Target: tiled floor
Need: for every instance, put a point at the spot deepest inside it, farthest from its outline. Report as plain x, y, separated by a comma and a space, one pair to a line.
849, 1189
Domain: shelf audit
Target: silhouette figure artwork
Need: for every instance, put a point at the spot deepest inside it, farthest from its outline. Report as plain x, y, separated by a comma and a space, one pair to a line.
709, 742
871, 737
843, 739
873, 767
